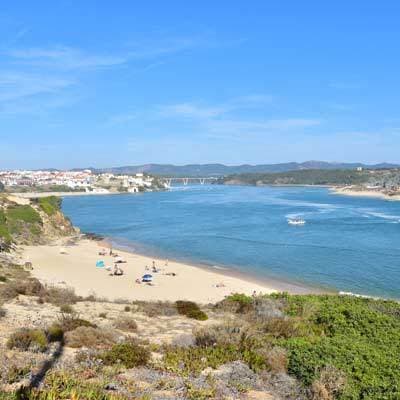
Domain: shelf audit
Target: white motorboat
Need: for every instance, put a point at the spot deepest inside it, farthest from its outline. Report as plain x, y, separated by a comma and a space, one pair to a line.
296, 221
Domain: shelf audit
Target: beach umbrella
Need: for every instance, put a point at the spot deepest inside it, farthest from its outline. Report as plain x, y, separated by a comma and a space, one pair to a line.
147, 278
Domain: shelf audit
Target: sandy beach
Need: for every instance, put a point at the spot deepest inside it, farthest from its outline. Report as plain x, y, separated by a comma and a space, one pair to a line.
77, 268
348, 191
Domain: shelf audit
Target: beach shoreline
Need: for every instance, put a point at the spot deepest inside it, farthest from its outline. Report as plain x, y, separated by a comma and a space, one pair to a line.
66, 265
276, 283
348, 191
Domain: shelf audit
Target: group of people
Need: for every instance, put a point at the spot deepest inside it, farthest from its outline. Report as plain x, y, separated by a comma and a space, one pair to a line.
117, 271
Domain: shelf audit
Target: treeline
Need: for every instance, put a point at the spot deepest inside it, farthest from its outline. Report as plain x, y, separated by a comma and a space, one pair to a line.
303, 177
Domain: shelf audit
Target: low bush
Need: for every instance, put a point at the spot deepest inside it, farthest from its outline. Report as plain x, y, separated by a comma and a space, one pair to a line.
282, 327
193, 360
55, 333
128, 354
86, 336
61, 384
60, 296
277, 360
103, 315
68, 322
28, 339
66, 309
330, 384
191, 310
50, 205
2, 312
23, 213
156, 308
7, 293
3, 278
127, 309
126, 324
355, 338
28, 287
229, 333
237, 303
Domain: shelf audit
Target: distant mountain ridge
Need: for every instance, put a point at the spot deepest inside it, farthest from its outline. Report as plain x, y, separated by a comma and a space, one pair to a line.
207, 170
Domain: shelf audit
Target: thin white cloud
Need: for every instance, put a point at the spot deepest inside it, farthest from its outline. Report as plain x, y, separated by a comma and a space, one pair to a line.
17, 85
190, 110
63, 58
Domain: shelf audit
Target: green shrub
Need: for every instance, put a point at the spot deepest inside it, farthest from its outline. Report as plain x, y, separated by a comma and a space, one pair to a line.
3, 278
66, 309
50, 205
23, 213
55, 333
129, 354
193, 360
237, 303
127, 309
4, 230
355, 338
28, 339
191, 310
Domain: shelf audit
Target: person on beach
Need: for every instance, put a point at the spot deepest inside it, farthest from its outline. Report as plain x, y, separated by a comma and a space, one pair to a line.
154, 264
166, 262
118, 271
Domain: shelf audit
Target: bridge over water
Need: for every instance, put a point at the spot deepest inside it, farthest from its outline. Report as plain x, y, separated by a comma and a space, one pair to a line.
186, 180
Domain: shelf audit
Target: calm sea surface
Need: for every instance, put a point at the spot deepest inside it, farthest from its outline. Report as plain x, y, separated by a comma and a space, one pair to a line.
348, 243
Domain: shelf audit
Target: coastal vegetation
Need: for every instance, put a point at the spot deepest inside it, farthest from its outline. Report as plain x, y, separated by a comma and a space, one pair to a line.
317, 347
385, 179
50, 205
302, 177
31, 223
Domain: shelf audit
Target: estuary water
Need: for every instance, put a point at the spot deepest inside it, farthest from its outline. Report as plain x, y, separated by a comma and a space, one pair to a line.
348, 243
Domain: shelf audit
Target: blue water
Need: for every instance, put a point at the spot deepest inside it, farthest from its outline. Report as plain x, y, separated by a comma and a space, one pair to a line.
348, 243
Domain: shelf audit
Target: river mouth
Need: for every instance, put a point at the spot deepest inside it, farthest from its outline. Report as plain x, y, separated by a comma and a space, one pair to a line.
346, 244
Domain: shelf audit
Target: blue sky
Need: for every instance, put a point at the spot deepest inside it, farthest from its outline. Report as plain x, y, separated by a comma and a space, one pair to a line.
89, 83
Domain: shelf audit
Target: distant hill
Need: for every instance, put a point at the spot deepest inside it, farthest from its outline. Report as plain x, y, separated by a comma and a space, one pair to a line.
222, 170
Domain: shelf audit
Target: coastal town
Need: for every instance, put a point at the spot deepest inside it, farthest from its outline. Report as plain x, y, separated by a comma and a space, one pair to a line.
21, 181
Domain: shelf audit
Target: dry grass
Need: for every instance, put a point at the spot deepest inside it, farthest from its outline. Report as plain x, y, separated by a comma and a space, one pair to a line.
156, 308
126, 324
86, 336
60, 296
329, 385
28, 339
69, 322
277, 360
66, 309
227, 333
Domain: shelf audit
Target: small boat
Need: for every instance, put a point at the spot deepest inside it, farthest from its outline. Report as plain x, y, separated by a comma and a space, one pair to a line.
296, 221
